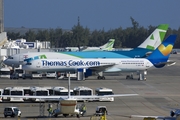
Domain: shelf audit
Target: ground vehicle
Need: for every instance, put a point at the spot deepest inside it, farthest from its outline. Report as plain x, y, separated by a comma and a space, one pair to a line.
149, 118
36, 74
101, 110
12, 111
104, 91
5, 73
62, 91
19, 72
61, 75
27, 92
14, 76
6, 91
51, 74
24, 76
1, 93
65, 75
39, 91
81, 90
50, 89
17, 91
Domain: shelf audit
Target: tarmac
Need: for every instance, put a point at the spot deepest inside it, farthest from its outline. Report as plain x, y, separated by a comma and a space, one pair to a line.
157, 95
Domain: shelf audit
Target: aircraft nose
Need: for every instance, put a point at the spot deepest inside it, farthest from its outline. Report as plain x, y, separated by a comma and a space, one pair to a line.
6, 61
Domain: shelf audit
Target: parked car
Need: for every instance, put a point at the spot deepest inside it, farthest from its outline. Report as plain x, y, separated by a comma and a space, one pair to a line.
12, 111
51, 75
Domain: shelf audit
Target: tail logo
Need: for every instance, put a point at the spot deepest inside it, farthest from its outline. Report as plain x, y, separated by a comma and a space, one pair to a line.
165, 50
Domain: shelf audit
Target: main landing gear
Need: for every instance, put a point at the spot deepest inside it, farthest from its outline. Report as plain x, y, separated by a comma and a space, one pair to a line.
141, 74
129, 76
100, 77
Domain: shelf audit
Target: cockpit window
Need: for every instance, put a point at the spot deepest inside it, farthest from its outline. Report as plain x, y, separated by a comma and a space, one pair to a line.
28, 64
10, 57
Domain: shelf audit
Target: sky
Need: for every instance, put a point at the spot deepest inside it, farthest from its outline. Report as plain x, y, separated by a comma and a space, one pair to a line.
93, 14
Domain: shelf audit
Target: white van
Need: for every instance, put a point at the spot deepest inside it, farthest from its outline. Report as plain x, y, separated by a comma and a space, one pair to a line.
51, 74
36, 74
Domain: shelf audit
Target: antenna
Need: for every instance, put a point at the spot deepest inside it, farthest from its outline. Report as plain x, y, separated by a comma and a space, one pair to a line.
69, 94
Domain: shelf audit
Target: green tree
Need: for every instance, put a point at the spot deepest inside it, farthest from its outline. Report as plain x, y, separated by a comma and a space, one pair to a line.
30, 36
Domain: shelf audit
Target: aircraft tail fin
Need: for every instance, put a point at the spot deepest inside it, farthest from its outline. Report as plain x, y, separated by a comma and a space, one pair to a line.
159, 57
109, 45
155, 38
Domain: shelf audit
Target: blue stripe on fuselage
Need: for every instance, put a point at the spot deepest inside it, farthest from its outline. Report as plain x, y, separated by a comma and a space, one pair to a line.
134, 53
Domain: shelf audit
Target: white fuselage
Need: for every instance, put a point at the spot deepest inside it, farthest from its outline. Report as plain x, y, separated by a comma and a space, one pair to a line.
130, 64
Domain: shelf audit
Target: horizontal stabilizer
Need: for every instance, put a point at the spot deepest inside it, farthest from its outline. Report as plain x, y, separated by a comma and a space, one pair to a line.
168, 63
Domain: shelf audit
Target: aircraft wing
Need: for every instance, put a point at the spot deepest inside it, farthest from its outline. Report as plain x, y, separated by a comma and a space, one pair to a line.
57, 98
95, 97
102, 68
145, 116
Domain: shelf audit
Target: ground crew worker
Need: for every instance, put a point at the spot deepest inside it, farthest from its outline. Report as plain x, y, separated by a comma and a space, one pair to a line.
50, 111
84, 109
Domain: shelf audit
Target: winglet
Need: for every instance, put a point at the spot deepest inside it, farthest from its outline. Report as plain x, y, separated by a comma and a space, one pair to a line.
162, 53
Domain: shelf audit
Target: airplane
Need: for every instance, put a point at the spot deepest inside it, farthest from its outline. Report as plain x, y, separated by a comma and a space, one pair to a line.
151, 43
158, 59
68, 104
106, 47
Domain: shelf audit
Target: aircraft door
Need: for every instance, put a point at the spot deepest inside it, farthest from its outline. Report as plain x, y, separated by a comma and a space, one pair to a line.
38, 65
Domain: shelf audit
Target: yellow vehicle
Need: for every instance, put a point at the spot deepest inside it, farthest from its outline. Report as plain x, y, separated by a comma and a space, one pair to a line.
149, 118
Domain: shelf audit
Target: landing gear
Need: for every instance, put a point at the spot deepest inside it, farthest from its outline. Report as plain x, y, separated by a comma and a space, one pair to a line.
78, 116
142, 75
130, 76
101, 77
65, 115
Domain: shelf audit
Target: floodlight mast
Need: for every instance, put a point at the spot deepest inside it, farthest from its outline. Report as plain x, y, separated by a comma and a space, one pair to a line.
69, 85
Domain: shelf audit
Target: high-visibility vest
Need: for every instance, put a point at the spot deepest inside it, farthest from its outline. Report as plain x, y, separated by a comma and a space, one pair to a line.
84, 108
50, 109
